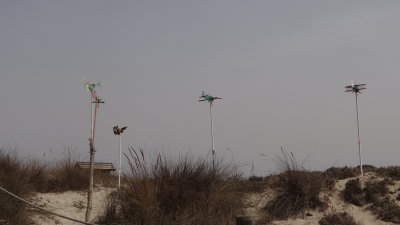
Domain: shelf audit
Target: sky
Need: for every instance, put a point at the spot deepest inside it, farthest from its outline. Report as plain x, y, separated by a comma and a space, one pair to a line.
279, 65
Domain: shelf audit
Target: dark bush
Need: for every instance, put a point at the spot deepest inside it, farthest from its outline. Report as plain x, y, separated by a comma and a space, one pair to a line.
391, 171
386, 210
338, 219
353, 192
374, 190
367, 168
340, 173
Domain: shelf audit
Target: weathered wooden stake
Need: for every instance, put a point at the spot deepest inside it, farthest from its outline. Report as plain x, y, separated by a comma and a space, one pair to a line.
90, 191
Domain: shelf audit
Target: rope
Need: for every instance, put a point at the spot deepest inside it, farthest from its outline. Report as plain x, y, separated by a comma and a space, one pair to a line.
45, 210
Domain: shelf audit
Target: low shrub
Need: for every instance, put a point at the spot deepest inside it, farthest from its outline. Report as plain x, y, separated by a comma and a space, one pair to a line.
374, 190
181, 192
391, 171
338, 219
340, 173
353, 192
386, 210
367, 168
371, 193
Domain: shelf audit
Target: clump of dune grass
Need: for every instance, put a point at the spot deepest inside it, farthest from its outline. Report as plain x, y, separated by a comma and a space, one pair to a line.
336, 218
386, 209
65, 175
185, 191
298, 189
21, 177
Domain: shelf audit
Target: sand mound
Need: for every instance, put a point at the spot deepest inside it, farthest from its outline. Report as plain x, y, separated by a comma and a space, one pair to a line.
254, 203
69, 203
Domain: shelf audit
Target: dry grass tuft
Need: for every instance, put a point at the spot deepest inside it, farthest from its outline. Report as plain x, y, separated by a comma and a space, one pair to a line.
298, 189
64, 175
21, 178
181, 192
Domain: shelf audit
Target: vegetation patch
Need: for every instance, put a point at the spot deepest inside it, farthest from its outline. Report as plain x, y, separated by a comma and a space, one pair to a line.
386, 210
21, 178
183, 191
371, 193
353, 192
298, 189
340, 173
390, 171
374, 190
338, 219
254, 184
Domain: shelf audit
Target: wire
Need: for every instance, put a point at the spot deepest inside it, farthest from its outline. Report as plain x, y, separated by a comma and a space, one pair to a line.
45, 210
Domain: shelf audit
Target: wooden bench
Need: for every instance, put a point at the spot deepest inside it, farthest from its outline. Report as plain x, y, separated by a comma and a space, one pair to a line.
100, 166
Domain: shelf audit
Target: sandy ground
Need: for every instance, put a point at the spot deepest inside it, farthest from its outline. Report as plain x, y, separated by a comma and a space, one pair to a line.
255, 201
69, 203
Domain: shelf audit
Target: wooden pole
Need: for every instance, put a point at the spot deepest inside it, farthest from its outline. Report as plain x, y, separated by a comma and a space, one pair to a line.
92, 154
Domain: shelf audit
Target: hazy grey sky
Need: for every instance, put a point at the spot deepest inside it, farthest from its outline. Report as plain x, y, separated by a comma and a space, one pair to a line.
280, 67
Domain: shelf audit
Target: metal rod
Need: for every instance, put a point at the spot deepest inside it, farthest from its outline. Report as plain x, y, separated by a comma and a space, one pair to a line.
119, 171
358, 134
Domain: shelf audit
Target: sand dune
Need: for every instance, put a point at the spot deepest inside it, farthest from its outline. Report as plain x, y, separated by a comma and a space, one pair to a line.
73, 204
69, 203
255, 202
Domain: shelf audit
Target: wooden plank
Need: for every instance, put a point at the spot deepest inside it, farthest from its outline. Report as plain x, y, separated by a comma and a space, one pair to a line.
97, 166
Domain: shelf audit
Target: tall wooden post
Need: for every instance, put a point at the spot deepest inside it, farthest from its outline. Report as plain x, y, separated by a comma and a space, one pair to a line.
92, 153
90, 191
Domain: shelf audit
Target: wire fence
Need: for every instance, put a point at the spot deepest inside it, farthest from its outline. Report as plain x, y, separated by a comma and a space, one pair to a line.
45, 210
